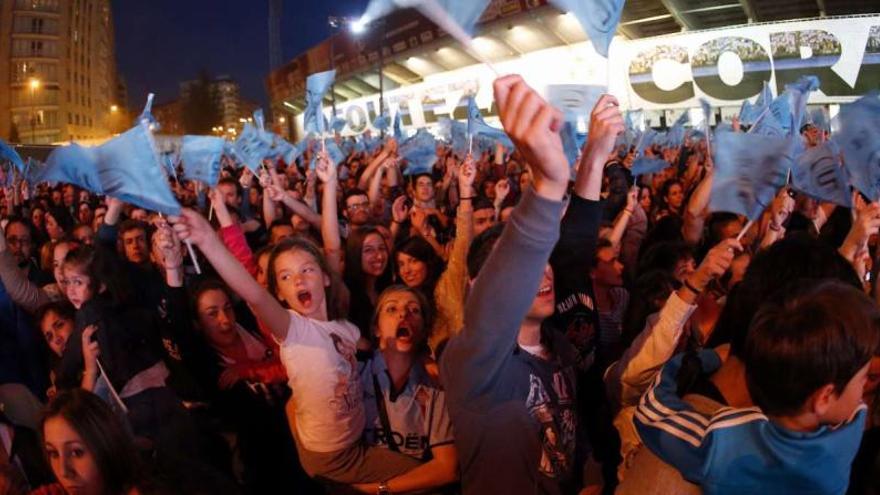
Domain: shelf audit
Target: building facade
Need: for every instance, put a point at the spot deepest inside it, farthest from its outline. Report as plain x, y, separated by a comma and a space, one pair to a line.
58, 79
170, 118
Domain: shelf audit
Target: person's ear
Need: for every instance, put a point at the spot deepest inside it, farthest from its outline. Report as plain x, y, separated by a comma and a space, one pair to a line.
821, 401
326, 280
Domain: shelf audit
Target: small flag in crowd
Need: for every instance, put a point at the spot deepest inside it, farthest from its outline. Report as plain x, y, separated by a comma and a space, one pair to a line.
316, 87
858, 137
749, 170
252, 147
568, 133
818, 173
337, 124
675, 136
398, 129
645, 165
476, 126
147, 114
382, 121
8, 153
598, 18
129, 169
201, 158
73, 164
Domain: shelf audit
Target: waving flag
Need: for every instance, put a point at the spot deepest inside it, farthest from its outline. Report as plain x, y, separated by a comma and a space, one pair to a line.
398, 129
129, 169
765, 97
382, 121
644, 165
201, 158
8, 153
420, 153
858, 137
337, 124
746, 113
316, 87
819, 118
675, 136
800, 93
253, 147
569, 142
147, 114
819, 173
749, 170
73, 164
781, 109
598, 18
476, 126
768, 125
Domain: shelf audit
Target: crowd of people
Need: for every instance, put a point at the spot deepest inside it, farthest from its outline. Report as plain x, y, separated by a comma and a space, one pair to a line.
500, 324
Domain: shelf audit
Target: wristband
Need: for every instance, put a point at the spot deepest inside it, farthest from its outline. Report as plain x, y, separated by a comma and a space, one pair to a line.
629, 211
383, 489
466, 199
691, 288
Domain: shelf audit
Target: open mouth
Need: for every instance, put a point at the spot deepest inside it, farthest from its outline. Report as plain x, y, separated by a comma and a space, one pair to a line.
545, 290
304, 297
403, 332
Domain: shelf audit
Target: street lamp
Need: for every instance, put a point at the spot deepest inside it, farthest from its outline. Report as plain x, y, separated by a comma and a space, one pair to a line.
114, 108
34, 84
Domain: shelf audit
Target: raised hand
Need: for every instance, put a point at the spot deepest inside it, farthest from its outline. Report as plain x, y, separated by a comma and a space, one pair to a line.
606, 123
325, 169
466, 176
246, 178
533, 126
190, 226
502, 189
90, 350
715, 264
399, 209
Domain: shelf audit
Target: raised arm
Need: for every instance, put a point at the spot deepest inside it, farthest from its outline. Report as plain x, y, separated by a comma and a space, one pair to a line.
326, 171
193, 227
364, 181
695, 212
512, 274
623, 217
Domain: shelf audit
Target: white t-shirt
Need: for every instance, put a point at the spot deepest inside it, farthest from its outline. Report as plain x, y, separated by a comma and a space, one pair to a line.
319, 357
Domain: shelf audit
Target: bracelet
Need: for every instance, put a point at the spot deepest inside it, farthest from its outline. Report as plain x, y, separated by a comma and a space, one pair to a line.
691, 288
629, 211
466, 199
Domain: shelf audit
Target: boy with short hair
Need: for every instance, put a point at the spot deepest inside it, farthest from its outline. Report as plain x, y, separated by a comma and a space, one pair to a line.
806, 365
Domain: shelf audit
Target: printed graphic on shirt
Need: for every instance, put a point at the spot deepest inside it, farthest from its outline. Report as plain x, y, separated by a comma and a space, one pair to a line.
576, 316
557, 420
347, 393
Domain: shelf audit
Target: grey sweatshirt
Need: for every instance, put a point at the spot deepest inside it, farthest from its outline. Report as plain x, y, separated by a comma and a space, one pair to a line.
513, 413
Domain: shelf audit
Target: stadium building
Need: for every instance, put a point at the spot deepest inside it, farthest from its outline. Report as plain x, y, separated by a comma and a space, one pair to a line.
667, 55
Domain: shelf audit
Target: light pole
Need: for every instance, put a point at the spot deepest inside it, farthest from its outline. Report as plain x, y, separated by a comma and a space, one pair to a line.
34, 84
359, 26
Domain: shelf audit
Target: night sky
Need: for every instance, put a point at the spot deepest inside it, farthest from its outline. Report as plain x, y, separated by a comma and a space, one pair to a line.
162, 42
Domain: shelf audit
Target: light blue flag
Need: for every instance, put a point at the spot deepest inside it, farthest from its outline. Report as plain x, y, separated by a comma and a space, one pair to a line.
598, 18
781, 109
129, 169
259, 119
569, 142
201, 158
768, 125
170, 163
858, 137
72, 164
371, 143
819, 118
706, 107
645, 140
288, 152
476, 126
333, 151
337, 124
764, 97
398, 130
253, 147
382, 122
749, 171
745, 113
644, 165
634, 120
420, 161
316, 87
463, 13
147, 114
800, 93
675, 136
818, 173
8, 153
230, 151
